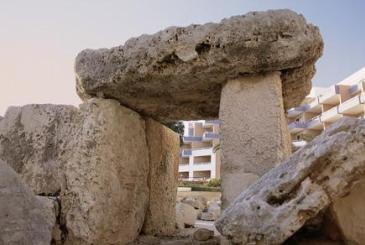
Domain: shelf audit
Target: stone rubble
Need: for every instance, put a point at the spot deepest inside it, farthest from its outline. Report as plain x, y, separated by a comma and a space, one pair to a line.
285, 198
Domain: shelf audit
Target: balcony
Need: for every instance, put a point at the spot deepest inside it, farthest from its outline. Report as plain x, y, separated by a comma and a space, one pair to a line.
186, 152
314, 106
202, 151
314, 123
293, 112
188, 139
206, 166
213, 122
356, 88
352, 106
210, 136
296, 127
331, 97
331, 115
183, 167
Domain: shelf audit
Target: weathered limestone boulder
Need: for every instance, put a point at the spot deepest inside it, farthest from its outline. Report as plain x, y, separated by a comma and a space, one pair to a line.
178, 72
254, 135
203, 234
349, 214
281, 201
106, 196
163, 147
212, 213
24, 217
33, 140
186, 215
197, 202
95, 158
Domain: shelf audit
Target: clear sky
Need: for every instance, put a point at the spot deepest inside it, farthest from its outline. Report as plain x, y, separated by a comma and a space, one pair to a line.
39, 39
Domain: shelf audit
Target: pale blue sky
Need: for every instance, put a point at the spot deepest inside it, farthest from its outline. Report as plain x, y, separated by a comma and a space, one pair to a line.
39, 39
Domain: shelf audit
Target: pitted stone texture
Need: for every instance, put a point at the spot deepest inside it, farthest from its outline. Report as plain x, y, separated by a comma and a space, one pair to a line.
33, 139
177, 73
164, 148
95, 156
275, 207
106, 196
24, 217
254, 133
349, 214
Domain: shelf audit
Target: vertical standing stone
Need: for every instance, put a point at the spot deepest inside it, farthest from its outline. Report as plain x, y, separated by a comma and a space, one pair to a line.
163, 145
254, 134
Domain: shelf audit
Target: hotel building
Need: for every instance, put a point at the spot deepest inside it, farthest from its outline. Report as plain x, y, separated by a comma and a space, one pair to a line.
200, 155
324, 106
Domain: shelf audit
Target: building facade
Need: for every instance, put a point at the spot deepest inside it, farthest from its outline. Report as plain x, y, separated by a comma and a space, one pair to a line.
200, 154
324, 106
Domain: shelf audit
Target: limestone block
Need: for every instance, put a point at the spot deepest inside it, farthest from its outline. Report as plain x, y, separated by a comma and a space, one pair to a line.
164, 148
24, 217
33, 140
106, 196
178, 72
254, 135
349, 212
281, 201
95, 158
186, 215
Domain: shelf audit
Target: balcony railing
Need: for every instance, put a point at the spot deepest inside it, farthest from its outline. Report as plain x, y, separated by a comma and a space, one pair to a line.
209, 135
192, 138
186, 152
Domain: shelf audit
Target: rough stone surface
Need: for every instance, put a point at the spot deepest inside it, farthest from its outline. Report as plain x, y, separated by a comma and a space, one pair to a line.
24, 217
254, 134
280, 203
95, 158
212, 213
197, 202
106, 195
349, 214
164, 148
203, 234
177, 73
186, 215
32, 141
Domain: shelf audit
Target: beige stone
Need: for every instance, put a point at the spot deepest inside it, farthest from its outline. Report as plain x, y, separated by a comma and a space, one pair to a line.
24, 217
186, 215
254, 134
178, 73
95, 158
164, 148
33, 140
296, 191
106, 195
349, 214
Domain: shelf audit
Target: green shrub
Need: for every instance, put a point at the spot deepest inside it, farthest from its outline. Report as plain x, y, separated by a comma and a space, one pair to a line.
214, 183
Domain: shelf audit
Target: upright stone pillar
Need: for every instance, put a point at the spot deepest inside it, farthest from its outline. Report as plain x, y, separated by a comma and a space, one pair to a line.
163, 146
254, 133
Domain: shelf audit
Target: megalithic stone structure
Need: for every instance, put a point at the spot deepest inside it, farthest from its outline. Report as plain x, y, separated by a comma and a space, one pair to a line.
285, 198
178, 74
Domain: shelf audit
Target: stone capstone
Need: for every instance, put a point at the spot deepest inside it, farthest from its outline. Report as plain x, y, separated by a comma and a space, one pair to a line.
178, 72
24, 217
285, 198
164, 148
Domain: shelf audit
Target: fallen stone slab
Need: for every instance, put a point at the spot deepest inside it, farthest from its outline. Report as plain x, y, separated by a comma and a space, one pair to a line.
281, 201
178, 72
24, 217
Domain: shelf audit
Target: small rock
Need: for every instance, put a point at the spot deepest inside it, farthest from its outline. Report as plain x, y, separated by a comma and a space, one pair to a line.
186, 215
197, 202
203, 234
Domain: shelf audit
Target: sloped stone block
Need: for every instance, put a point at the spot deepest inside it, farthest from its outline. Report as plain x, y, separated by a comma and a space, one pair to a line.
281, 201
